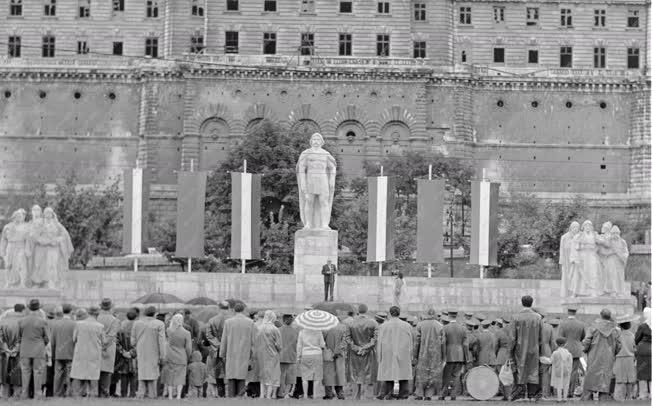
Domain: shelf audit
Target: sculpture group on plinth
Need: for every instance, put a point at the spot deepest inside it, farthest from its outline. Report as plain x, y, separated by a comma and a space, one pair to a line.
592, 264
35, 253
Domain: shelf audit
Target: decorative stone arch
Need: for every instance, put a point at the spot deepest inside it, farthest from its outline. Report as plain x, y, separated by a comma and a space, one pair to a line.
397, 114
395, 132
353, 114
351, 131
217, 110
214, 128
304, 119
255, 114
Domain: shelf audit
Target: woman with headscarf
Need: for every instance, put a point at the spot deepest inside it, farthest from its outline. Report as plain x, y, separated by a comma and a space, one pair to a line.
586, 272
179, 349
268, 348
51, 250
642, 339
310, 344
13, 249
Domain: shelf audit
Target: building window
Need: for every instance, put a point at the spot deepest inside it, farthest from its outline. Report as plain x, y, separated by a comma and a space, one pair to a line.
231, 42
383, 7
16, 7
499, 15
152, 9
50, 8
465, 15
566, 57
499, 55
82, 47
599, 18
196, 44
632, 58
419, 49
119, 5
14, 46
48, 46
632, 18
382, 45
196, 9
345, 45
308, 6
84, 8
599, 57
566, 17
532, 16
151, 47
307, 43
232, 5
346, 7
269, 43
533, 56
269, 6
463, 56
419, 11
117, 48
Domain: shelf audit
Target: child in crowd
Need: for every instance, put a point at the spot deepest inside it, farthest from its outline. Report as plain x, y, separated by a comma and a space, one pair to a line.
624, 367
562, 365
197, 375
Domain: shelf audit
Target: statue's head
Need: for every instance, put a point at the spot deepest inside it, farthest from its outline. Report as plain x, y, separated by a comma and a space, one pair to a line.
19, 216
574, 227
615, 230
316, 140
36, 211
606, 227
587, 226
48, 213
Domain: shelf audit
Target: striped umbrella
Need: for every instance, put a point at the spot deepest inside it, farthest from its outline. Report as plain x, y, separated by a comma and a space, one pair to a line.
317, 320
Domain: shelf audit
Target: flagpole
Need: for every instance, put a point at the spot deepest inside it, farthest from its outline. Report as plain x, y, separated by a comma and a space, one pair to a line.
135, 257
484, 179
429, 263
380, 263
244, 261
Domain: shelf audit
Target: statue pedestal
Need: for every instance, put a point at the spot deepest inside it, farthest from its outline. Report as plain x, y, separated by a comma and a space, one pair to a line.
312, 248
10, 296
619, 305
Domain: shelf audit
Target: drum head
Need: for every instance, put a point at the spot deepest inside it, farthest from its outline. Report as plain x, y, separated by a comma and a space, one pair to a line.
482, 383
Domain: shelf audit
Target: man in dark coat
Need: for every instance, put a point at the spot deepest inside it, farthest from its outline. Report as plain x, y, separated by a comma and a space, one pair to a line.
574, 332
329, 271
34, 337
337, 342
456, 356
192, 325
601, 345
10, 373
62, 351
527, 328
362, 363
111, 327
547, 347
214, 331
125, 355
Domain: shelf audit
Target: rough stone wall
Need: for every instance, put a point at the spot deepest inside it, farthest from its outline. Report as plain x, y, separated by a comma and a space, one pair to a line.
640, 143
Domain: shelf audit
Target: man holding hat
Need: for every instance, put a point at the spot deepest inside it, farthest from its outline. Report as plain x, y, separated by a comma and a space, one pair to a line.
574, 332
456, 355
34, 338
88, 339
111, 328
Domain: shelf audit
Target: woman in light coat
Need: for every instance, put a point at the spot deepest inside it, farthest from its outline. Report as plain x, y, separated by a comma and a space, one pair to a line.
178, 352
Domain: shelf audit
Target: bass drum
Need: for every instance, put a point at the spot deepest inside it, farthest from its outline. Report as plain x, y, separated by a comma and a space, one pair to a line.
482, 383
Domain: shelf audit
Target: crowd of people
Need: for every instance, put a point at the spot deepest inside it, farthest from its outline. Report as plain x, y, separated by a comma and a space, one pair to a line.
96, 352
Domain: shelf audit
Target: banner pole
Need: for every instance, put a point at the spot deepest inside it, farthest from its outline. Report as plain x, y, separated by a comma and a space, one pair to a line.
244, 265
380, 268
244, 261
430, 264
135, 264
192, 168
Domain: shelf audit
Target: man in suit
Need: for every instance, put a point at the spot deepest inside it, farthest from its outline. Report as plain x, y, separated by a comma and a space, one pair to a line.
111, 328
456, 356
526, 327
574, 332
329, 271
62, 351
34, 337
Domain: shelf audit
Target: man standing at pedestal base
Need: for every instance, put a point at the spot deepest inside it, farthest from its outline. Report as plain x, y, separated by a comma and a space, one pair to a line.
329, 271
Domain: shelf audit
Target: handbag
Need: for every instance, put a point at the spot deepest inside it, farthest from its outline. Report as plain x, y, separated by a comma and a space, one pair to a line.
328, 355
506, 375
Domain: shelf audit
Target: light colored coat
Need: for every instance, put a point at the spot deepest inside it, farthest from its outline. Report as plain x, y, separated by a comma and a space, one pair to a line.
394, 350
236, 346
148, 337
88, 338
111, 328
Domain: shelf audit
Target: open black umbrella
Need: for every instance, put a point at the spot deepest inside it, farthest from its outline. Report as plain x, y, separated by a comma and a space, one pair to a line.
201, 301
159, 298
233, 302
206, 313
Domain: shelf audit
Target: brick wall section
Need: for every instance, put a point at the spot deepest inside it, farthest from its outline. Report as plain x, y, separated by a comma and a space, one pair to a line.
640, 143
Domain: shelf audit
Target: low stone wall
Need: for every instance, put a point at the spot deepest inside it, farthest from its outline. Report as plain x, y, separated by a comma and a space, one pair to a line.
86, 288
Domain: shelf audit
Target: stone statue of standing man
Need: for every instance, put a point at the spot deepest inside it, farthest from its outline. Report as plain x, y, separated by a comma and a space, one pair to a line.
316, 179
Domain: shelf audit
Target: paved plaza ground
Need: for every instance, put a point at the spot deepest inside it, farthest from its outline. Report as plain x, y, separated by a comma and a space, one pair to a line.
284, 402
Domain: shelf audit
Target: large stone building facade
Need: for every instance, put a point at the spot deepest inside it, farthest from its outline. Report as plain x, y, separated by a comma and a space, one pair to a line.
547, 97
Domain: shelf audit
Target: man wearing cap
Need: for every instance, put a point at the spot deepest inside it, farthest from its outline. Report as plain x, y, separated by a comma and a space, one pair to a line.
236, 348
457, 355
504, 344
34, 337
601, 344
526, 330
214, 331
486, 344
10, 373
63, 350
88, 339
111, 328
148, 337
428, 356
574, 332
468, 315
394, 355
362, 364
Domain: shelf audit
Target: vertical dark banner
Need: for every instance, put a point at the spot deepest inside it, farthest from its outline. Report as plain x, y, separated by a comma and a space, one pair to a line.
430, 208
191, 199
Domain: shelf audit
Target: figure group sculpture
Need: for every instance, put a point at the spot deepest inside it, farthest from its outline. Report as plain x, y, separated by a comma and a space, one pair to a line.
592, 264
35, 253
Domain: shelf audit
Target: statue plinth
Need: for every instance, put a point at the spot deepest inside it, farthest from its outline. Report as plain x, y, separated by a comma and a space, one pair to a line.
11, 296
618, 305
312, 248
